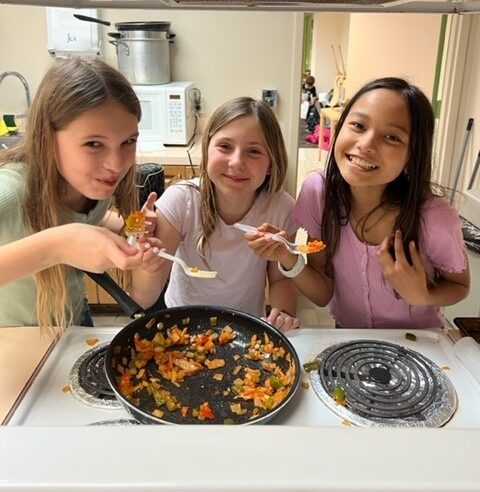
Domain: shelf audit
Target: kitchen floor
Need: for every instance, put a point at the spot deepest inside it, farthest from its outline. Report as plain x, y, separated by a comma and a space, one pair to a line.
309, 314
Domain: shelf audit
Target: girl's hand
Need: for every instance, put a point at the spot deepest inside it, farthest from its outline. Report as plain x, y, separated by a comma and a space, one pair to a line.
151, 262
150, 215
409, 281
282, 321
93, 248
266, 247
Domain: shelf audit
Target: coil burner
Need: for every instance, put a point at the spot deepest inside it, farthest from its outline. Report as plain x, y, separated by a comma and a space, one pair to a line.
383, 385
88, 380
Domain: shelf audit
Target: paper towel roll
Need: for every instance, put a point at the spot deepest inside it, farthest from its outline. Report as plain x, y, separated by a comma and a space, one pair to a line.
468, 351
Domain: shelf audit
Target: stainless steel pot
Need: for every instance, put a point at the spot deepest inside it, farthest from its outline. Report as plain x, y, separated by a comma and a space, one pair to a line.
142, 48
143, 51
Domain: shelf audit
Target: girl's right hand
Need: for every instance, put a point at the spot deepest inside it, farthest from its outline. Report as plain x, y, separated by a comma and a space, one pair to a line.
94, 249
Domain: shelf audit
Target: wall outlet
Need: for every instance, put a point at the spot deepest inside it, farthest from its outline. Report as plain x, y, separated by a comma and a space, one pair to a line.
270, 96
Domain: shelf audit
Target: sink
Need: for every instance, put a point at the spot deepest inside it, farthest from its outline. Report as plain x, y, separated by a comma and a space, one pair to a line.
7, 141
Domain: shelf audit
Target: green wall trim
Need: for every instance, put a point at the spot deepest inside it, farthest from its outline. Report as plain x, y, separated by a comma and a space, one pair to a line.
437, 103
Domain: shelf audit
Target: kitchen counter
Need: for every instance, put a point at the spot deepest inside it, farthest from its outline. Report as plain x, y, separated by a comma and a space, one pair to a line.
22, 350
172, 155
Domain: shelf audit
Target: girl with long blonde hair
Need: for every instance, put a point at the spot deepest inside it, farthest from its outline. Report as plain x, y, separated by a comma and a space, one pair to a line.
242, 170
75, 162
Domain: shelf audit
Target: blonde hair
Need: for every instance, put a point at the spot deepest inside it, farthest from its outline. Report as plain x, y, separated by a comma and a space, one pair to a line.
223, 115
68, 89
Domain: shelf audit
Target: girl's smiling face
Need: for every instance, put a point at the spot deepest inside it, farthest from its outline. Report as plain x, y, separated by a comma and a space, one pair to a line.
238, 160
372, 148
94, 153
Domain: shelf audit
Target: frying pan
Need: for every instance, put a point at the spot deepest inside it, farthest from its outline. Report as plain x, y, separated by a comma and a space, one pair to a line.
201, 387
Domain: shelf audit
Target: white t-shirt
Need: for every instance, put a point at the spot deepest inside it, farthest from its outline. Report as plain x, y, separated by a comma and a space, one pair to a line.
240, 283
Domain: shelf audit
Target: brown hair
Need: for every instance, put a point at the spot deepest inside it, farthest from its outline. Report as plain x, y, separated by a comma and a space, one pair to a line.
408, 191
223, 115
68, 89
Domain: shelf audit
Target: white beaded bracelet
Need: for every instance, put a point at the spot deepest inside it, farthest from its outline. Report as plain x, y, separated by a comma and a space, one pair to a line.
295, 270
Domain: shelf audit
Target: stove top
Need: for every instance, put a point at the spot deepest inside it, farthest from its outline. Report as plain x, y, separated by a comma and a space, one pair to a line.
58, 398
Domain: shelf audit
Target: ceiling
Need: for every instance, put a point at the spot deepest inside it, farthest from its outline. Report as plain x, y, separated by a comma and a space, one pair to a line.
428, 6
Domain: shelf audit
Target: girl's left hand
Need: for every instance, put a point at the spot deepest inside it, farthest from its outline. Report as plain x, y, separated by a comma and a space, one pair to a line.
409, 281
150, 215
151, 262
282, 321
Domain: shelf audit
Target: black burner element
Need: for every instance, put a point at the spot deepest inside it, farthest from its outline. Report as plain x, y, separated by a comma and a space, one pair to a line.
384, 384
92, 377
88, 380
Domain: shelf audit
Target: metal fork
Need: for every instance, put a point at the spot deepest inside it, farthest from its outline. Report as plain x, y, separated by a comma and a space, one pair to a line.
190, 271
292, 247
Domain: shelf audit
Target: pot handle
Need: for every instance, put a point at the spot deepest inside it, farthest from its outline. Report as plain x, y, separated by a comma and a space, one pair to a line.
90, 19
114, 35
116, 43
129, 306
170, 36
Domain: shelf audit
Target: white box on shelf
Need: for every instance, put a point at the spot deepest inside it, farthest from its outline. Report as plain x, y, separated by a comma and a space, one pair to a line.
68, 35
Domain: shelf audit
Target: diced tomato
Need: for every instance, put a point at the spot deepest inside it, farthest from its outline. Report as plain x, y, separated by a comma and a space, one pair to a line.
205, 411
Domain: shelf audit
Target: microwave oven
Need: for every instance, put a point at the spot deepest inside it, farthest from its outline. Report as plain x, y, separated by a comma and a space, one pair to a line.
168, 115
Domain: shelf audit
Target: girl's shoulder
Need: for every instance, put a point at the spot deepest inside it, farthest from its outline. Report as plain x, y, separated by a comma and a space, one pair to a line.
437, 211
179, 191
12, 181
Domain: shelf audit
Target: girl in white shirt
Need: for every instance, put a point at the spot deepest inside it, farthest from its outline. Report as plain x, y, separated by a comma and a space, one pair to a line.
242, 170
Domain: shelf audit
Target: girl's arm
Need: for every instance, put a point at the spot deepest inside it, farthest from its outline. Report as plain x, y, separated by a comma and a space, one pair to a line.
312, 282
283, 299
82, 246
410, 280
149, 280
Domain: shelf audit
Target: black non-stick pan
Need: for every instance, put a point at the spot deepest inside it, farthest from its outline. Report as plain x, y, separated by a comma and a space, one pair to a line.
202, 387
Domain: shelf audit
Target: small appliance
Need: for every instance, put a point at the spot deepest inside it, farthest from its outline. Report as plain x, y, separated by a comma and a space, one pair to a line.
168, 115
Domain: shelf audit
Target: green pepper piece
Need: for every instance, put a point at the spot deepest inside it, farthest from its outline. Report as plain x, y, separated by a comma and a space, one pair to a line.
228, 422
275, 382
338, 395
314, 365
411, 336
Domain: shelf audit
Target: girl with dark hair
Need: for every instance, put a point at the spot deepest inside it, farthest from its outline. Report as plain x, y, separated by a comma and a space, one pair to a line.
395, 254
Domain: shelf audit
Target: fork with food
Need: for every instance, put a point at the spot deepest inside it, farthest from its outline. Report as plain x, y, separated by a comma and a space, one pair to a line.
135, 228
313, 246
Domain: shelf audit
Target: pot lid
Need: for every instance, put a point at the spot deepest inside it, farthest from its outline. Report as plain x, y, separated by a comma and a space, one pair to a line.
143, 26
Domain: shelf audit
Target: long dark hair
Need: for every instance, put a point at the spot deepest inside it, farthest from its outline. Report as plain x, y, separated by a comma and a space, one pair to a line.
408, 191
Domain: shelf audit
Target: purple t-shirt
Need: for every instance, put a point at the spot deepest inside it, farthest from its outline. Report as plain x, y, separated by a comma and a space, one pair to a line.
362, 297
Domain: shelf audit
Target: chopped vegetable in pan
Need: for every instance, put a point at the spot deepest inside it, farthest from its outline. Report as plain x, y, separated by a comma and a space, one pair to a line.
256, 377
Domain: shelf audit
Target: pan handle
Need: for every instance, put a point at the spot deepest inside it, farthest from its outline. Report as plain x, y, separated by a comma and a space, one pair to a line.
90, 19
129, 306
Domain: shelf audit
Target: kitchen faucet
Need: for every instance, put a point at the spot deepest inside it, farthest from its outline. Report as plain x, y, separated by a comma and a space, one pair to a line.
25, 85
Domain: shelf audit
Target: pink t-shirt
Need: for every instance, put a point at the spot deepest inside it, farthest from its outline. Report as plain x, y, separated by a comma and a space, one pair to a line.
362, 298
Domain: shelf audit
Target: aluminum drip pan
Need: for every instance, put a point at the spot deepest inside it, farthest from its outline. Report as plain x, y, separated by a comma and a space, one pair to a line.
88, 381
384, 385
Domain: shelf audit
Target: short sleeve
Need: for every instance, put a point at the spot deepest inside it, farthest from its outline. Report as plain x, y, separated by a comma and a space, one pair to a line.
174, 203
308, 210
442, 236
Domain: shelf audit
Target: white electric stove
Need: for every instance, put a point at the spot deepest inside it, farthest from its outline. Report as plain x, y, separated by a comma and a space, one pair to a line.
52, 400
50, 444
